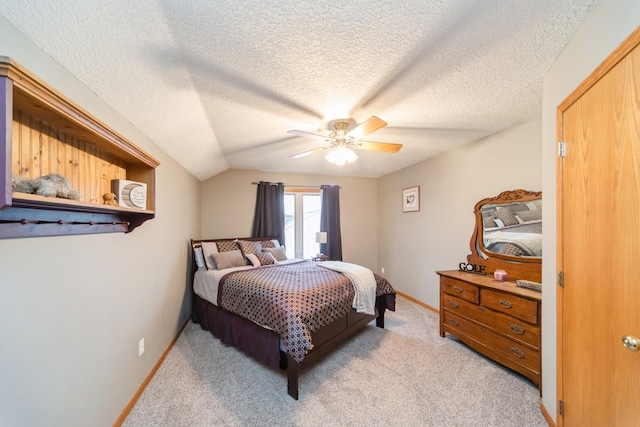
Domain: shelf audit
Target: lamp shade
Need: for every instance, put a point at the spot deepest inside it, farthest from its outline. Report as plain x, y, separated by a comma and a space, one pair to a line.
321, 237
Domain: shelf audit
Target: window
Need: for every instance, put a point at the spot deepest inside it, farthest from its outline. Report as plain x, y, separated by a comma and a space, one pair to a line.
301, 221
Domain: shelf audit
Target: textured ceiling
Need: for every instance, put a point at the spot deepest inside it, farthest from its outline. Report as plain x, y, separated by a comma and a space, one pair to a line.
217, 84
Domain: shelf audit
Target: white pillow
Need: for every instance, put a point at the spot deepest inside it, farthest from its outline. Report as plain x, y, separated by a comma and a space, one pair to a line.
254, 260
208, 249
197, 253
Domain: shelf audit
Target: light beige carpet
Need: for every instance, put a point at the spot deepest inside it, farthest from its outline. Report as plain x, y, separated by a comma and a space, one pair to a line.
404, 375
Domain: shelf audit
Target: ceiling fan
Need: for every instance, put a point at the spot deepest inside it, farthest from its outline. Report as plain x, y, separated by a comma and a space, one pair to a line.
341, 141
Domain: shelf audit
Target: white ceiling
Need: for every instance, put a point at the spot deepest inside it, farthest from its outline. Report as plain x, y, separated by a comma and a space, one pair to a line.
217, 84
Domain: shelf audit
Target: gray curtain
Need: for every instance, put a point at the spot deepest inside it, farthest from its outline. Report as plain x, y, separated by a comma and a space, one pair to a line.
268, 218
330, 222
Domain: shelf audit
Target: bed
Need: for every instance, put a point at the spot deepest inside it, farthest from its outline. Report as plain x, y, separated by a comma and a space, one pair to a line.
518, 240
283, 313
512, 228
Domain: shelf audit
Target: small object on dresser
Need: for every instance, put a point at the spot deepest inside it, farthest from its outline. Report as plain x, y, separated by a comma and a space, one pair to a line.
472, 268
320, 257
500, 275
536, 286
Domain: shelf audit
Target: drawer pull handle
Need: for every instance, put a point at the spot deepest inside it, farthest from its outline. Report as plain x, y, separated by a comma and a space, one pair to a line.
453, 304
519, 353
506, 303
458, 288
517, 329
454, 322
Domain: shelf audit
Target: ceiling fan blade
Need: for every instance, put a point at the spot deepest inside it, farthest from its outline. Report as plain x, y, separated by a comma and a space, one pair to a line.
306, 153
308, 135
372, 124
387, 147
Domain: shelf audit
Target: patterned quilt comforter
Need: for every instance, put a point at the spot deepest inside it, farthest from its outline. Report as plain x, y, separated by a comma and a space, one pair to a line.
292, 299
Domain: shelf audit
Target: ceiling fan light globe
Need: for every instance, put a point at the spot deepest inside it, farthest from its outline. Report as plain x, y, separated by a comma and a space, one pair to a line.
341, 156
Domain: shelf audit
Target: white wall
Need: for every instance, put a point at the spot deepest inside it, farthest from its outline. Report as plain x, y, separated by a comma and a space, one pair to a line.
413, 246
228, 202
606, 26
73, 308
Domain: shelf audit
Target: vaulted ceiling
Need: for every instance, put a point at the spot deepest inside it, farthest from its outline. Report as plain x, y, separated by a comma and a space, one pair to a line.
217, 84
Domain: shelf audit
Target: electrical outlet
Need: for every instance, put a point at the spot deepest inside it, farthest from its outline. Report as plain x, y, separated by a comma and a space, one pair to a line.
141, 347
382, 270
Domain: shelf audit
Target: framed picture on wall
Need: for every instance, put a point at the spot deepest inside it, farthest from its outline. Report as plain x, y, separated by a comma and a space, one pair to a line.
411, 199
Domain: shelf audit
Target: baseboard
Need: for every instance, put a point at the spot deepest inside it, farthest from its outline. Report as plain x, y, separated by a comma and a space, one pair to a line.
427, 306
546, 415
136, 396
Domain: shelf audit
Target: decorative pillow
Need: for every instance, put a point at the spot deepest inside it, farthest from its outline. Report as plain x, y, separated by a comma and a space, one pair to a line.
255, 248
278, 253
488, 222
488, 210
526, 216
520, 206
209, 248
199, 258
507, 215
254, 260
228, 245
269, 243
229, 259
270, 257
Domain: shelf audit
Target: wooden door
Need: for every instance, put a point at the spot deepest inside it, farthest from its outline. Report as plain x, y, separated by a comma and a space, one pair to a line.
599, 245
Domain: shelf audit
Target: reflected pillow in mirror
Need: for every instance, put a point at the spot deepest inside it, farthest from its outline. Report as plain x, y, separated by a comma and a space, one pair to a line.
526, 216
488, 222
507, 216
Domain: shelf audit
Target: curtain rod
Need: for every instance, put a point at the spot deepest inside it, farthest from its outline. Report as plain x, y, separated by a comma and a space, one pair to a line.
291, 185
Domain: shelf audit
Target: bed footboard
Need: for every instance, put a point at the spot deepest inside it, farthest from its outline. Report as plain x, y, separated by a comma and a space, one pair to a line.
327, 338
335, 333
263, 344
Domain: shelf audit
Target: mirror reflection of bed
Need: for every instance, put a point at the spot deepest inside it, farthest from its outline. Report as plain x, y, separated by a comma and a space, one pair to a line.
513, 228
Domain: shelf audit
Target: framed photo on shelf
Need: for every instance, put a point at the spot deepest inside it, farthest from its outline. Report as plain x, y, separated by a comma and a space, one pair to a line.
411, 199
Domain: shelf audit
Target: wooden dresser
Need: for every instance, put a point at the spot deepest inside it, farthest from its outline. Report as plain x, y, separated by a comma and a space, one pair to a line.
498, 319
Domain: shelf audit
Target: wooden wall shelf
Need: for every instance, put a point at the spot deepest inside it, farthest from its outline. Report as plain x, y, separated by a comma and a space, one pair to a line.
42, 132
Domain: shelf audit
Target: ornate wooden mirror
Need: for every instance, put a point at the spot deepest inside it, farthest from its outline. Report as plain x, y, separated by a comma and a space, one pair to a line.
508, 234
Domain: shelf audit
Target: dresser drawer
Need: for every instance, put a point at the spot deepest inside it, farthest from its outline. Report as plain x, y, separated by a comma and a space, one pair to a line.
510, 304
502, 323
512, 350
460, 289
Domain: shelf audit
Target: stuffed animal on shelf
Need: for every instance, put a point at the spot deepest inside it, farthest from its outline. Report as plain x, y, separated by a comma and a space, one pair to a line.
51, 185
109, 199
